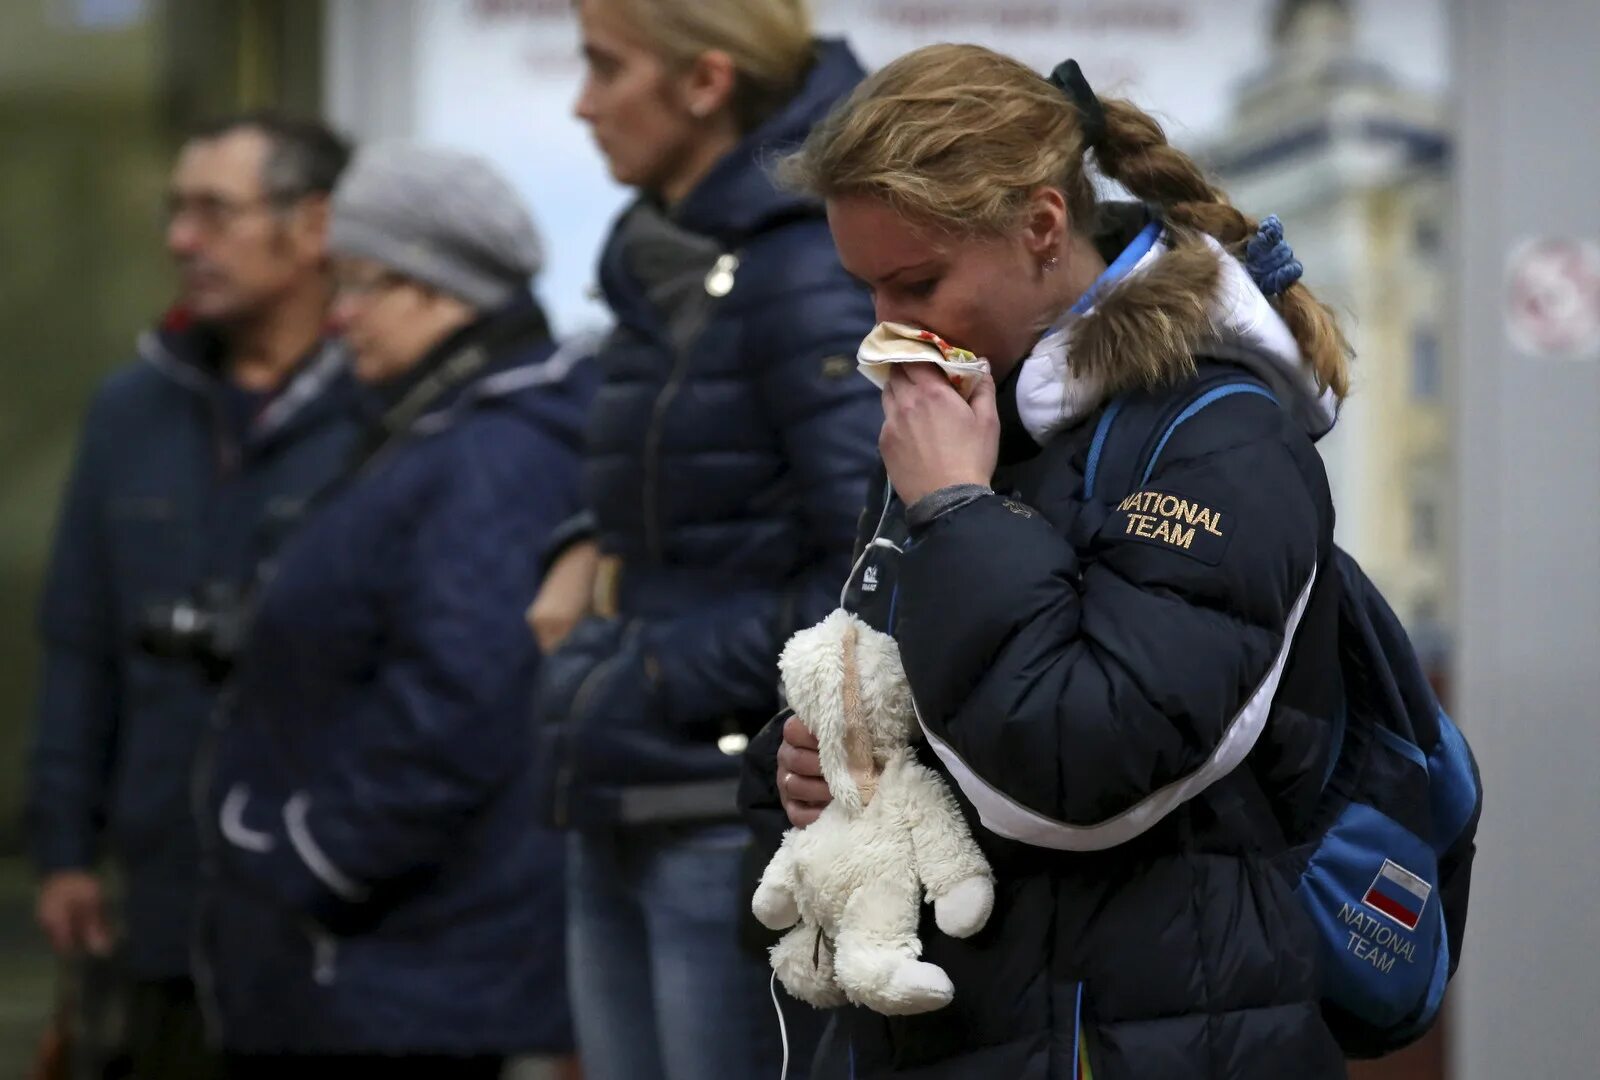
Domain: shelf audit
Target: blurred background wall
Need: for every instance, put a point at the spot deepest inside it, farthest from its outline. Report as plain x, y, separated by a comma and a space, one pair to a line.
1527, 445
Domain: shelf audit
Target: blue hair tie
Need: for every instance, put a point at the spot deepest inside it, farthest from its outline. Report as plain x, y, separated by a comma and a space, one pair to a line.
1270, 260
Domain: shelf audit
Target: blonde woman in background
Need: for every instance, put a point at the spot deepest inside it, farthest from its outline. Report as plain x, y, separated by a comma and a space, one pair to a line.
728, 452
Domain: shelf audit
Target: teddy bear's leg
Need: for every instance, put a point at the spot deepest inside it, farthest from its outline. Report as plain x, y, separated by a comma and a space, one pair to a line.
876, 960
803, 959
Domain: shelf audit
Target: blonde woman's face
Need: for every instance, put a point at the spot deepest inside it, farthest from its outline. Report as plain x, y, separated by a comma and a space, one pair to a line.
633, 104
986, 294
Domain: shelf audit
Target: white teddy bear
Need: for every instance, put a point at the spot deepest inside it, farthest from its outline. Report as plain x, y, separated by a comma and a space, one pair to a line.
851, 884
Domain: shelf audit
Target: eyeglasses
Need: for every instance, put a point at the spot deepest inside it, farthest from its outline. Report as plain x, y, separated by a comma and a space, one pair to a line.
215, 213
357, 286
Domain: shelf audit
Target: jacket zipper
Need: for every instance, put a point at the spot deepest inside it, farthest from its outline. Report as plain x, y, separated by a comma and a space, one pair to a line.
1082, 1060
652, 464
586, 689
718, 284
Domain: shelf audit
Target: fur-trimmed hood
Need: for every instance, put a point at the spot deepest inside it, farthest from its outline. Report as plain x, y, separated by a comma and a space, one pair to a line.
1143, 323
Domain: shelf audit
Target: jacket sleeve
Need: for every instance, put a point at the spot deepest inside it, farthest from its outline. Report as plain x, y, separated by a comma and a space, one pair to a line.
1077, 699
759, 800
76, 718
445, 722
577, 529
722, 661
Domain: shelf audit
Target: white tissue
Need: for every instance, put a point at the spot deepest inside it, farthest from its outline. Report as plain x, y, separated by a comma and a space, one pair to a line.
898, 343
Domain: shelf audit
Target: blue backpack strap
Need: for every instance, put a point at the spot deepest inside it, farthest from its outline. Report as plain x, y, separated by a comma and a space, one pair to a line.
1135, 428
1102, 432
1209, 397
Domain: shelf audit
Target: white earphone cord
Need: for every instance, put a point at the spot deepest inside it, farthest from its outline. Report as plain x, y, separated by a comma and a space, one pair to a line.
877, 541
783, 1028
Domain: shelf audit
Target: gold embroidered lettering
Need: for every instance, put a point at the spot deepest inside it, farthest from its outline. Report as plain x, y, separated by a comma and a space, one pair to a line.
1172, 519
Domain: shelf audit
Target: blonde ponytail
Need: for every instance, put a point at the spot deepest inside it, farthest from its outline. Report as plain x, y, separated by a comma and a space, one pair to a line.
959, 137
1135, 153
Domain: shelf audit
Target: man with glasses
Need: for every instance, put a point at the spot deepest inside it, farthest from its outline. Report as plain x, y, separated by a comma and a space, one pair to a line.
192, 465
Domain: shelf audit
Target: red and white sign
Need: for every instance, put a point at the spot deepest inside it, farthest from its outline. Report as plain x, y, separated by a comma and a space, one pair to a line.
1553, 297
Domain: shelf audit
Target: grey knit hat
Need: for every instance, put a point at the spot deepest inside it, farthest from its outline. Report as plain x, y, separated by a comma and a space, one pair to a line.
441, 217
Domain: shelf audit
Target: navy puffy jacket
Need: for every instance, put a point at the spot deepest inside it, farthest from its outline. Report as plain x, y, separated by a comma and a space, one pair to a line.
729, 449
1134, 705
175, 485
380, 887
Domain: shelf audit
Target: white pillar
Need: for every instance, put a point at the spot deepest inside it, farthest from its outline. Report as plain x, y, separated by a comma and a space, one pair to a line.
1528, 449
369, 67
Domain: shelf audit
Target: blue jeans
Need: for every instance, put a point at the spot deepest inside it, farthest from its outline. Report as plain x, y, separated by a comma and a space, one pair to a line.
661, 989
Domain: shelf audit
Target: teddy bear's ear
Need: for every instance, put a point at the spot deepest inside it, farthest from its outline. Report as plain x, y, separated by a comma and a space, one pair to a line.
885, 692
813, 669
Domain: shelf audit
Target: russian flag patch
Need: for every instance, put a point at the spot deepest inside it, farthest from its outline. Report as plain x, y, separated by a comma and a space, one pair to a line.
1399, 894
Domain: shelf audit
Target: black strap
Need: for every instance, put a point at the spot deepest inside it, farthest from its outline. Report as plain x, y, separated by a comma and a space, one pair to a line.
1068, 78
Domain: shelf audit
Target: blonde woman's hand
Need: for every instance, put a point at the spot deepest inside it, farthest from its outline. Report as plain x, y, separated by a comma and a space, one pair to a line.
931, 438
567, 595
801, 788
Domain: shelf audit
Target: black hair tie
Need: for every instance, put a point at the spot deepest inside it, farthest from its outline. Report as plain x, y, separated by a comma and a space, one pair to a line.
1068, 78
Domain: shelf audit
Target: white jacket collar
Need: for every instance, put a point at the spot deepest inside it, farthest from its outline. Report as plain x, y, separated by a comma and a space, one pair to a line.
1247, 332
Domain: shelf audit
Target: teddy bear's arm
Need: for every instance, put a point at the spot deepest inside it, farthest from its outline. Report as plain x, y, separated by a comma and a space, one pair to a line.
774, 903
953, 870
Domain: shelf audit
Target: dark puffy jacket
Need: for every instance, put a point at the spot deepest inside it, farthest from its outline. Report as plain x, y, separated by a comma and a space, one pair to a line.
379, 884
179, 481
728, 451
1136, 721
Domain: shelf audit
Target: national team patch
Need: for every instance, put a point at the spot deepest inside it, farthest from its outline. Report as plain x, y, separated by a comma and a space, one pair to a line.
1399, 894
1171, 521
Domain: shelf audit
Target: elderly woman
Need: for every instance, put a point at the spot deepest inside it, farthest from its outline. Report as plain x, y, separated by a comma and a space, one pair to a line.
381, 905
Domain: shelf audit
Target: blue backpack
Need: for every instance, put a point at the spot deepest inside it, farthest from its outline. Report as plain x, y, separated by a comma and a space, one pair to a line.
1385, 868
